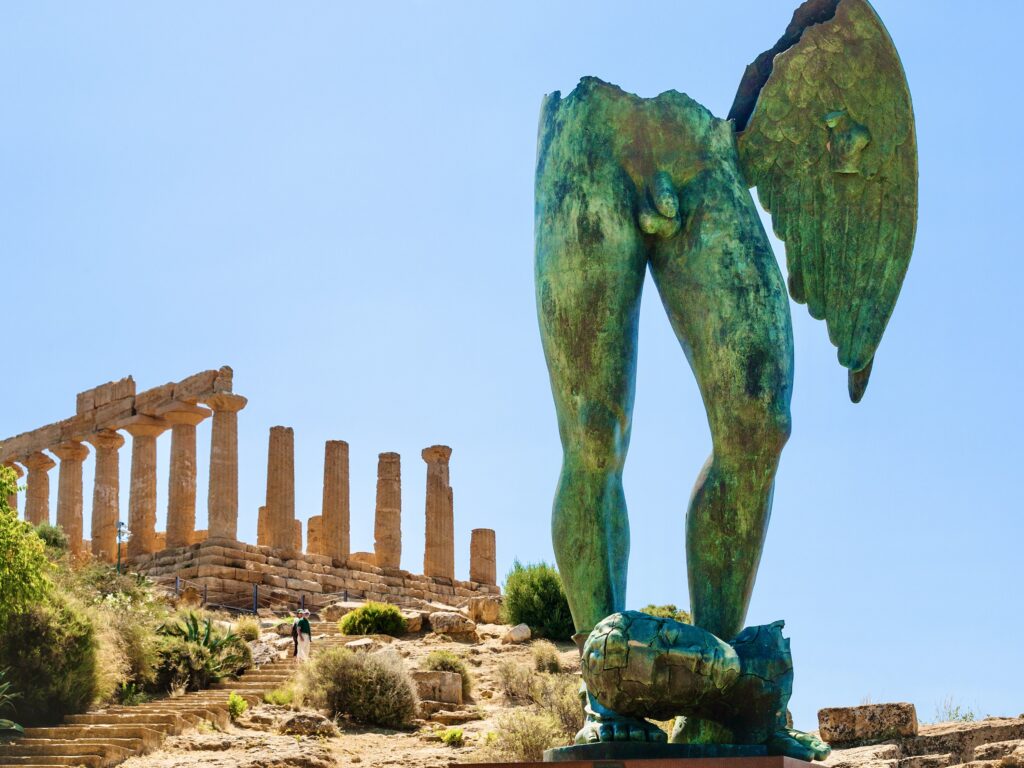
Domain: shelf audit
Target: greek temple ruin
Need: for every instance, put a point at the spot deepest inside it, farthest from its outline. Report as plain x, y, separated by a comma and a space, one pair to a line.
226, 568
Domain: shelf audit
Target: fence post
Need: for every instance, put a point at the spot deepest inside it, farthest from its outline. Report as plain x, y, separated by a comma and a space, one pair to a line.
302, 601
177, 586
204, 594
344, 597
255, 598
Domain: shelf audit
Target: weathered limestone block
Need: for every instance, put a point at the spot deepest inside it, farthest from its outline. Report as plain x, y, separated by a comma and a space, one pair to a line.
335, 511
387, 527
520, 633
484, 609
483, 564
439, 550
103, 394
361, 558
222, 498
199, 536
304, 585
160, 540
314, 535
870, 722
281, 490
37, 487
451, 624
445, 687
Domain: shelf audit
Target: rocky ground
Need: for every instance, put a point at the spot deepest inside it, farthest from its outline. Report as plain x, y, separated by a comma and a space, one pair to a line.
259, 739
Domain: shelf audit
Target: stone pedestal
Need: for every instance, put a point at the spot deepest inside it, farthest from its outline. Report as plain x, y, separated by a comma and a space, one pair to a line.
106, 492
222, 500
335, 512
314, 535
12, 499
483, 566
69, 491
181, 480
281, 489
439, 552
633, 754
142, 494
387, 527
37, 487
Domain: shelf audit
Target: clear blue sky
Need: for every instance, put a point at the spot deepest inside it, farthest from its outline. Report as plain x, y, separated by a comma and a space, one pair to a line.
336, 199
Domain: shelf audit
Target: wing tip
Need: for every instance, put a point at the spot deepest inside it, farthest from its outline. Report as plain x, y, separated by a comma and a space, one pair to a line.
857, 381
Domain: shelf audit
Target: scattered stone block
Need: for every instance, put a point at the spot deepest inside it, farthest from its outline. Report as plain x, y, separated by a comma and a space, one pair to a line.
445, 687
520, 633
870, 722
451, 623
485, 609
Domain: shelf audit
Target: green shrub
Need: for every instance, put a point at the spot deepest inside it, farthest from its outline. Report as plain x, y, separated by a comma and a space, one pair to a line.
949, 711
668, 611
53, 537
247, 628
23, 564
453, 737
50, 653
195, 653
534, 596
446, 661
374, 619
283, 697
372, 688
545, 656
130, 695
515, 680
558, 695
522, 737
7, 697
236, 706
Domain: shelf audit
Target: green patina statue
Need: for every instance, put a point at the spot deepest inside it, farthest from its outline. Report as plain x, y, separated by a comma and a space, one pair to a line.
823, 126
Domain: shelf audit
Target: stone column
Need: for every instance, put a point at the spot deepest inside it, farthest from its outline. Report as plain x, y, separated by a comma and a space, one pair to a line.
297, 535
106, 492
142, 494
314, 535
222, 501
12, 500
37, 487
335, 511
483, 565
281, 489
69, 491
387, 527
439, 552
181, 481
261, 527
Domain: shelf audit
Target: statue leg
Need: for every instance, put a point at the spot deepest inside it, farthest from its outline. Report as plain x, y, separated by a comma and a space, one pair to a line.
590, 267
727, 302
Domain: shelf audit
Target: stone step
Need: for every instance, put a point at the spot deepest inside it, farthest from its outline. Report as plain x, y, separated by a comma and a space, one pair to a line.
108, 754
996, 750
173, 721
941, 760
151, 737
54, 761
103, 742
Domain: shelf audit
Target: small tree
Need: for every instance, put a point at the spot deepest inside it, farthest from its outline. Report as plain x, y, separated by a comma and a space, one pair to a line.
668, 611
23, 563
534, 596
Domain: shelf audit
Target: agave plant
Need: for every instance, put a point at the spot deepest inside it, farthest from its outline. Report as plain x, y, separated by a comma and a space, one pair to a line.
222, 653
7, 697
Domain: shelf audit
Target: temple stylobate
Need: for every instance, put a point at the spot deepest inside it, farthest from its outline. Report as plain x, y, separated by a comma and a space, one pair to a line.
215, 557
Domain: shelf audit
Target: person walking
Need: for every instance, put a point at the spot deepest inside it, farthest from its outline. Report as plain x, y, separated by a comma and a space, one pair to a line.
305, 635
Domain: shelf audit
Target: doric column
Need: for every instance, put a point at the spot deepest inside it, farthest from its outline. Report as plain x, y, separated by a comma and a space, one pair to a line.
387, 526
297, 534
281, 489
106, 492
142, 493
314, 535
69, 491
12, 500
483, 565
222, 501
181, 481
439, 552
261, 527
37, 487
334, 532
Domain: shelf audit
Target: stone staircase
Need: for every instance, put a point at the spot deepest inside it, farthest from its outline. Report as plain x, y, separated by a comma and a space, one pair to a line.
109, 736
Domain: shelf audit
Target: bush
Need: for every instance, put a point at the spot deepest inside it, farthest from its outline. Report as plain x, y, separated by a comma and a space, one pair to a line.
545, 657
558, 695
130, 695
949, 711
668, 611
453, 737
515, 680
534, 596
283, 697
446, 661
522, 737
194, 653
372, 688
236, 706
50, 653
247, 628
53, 537
374, 619
7, 697
23, 564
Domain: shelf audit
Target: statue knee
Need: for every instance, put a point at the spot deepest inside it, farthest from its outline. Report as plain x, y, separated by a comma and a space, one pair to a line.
598, 442
764, 433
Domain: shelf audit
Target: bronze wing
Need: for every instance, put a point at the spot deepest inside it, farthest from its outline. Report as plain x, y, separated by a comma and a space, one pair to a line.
826, 133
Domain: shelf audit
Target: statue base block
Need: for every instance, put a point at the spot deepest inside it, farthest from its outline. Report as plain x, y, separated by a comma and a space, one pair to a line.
646, 756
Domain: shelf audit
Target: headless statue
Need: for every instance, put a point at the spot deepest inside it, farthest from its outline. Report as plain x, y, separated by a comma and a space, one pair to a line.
823, 126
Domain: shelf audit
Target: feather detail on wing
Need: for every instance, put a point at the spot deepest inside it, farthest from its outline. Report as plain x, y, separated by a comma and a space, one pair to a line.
826, 133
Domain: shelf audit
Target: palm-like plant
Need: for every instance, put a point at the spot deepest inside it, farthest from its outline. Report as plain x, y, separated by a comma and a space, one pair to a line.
225, 653
7, 697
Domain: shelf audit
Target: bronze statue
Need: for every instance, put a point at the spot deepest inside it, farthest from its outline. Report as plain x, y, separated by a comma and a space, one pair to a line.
823, 126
